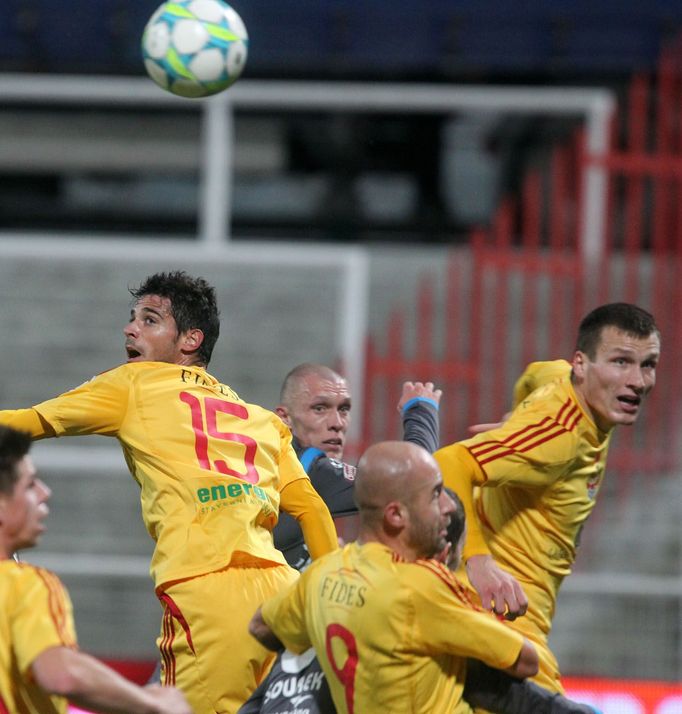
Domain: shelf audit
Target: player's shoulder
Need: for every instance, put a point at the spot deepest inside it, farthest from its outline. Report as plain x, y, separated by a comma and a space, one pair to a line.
554, 399
432, 580
540, 376
129, 371
339, 468
23, 577
548, 370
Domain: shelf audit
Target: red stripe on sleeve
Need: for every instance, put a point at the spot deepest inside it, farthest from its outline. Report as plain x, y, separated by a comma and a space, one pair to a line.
56, 605
449, 580
530, 437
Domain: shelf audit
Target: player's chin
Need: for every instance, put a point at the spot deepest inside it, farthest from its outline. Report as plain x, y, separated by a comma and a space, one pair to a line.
626, 419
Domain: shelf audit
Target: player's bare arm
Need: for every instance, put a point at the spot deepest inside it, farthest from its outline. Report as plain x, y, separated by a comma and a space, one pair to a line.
89, 683
526, 664
259, 629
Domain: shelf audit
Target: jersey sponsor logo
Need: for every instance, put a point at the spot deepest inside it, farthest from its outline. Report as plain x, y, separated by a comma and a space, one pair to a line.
228, 493
294, 690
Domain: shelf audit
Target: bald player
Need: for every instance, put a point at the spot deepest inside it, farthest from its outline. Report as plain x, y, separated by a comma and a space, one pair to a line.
392, 629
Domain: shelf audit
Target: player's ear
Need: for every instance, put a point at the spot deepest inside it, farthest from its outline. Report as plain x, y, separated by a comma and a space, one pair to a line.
283, 413
579, 360
395, 515
192, 339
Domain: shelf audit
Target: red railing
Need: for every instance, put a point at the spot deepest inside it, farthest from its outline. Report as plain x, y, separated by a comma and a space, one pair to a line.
518, 292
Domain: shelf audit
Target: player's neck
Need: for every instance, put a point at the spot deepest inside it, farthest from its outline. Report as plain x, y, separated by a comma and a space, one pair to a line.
396, 543
585, 406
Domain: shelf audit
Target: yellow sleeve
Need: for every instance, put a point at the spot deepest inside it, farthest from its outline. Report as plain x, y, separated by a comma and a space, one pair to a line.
300, 500
284, 614
538, 374
27, 420
43, 617
96, 407
461, 473
448, 624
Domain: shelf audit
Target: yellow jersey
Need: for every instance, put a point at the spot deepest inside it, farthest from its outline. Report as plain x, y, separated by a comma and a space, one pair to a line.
538, 476
391, 636
35, 615
210, 467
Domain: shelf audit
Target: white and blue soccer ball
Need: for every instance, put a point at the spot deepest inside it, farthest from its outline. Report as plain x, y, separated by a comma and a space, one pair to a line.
195, 48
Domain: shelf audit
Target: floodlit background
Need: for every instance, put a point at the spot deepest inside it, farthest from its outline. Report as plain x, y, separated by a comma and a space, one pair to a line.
416, 190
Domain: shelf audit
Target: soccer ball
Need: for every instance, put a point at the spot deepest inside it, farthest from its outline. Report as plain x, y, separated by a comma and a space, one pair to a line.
194, 48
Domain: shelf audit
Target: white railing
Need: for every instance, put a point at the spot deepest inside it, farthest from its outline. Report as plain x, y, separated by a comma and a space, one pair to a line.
595, 105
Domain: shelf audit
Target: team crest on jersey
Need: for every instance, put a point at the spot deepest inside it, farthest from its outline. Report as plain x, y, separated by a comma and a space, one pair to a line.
347, 470
593, 486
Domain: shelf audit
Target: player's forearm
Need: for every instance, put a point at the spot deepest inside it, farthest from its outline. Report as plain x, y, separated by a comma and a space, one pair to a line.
526, 664
300, 500
461, 473
420, 423
89, 683
27, 420
493, 690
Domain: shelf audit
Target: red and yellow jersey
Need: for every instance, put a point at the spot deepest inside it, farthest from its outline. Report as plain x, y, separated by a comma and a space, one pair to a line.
538, 476
35, 615
391, 636
210, 467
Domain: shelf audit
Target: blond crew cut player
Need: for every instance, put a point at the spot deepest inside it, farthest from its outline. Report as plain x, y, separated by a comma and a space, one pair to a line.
392, 629
213, 471
530, 483
40, 664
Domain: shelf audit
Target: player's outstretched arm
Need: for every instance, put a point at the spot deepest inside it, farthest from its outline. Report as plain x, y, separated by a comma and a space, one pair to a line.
27, 420
498, 590
89, 683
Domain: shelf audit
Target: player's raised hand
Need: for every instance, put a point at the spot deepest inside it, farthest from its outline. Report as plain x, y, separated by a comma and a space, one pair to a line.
411, 390
498, 590
169, 700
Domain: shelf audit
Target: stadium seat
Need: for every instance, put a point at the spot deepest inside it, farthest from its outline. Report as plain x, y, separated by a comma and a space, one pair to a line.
14, 49
82, 39
290, 38
505, 41
384, 36
607, 41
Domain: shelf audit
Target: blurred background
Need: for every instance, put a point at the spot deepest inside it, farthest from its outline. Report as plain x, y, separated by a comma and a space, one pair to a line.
432, 190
